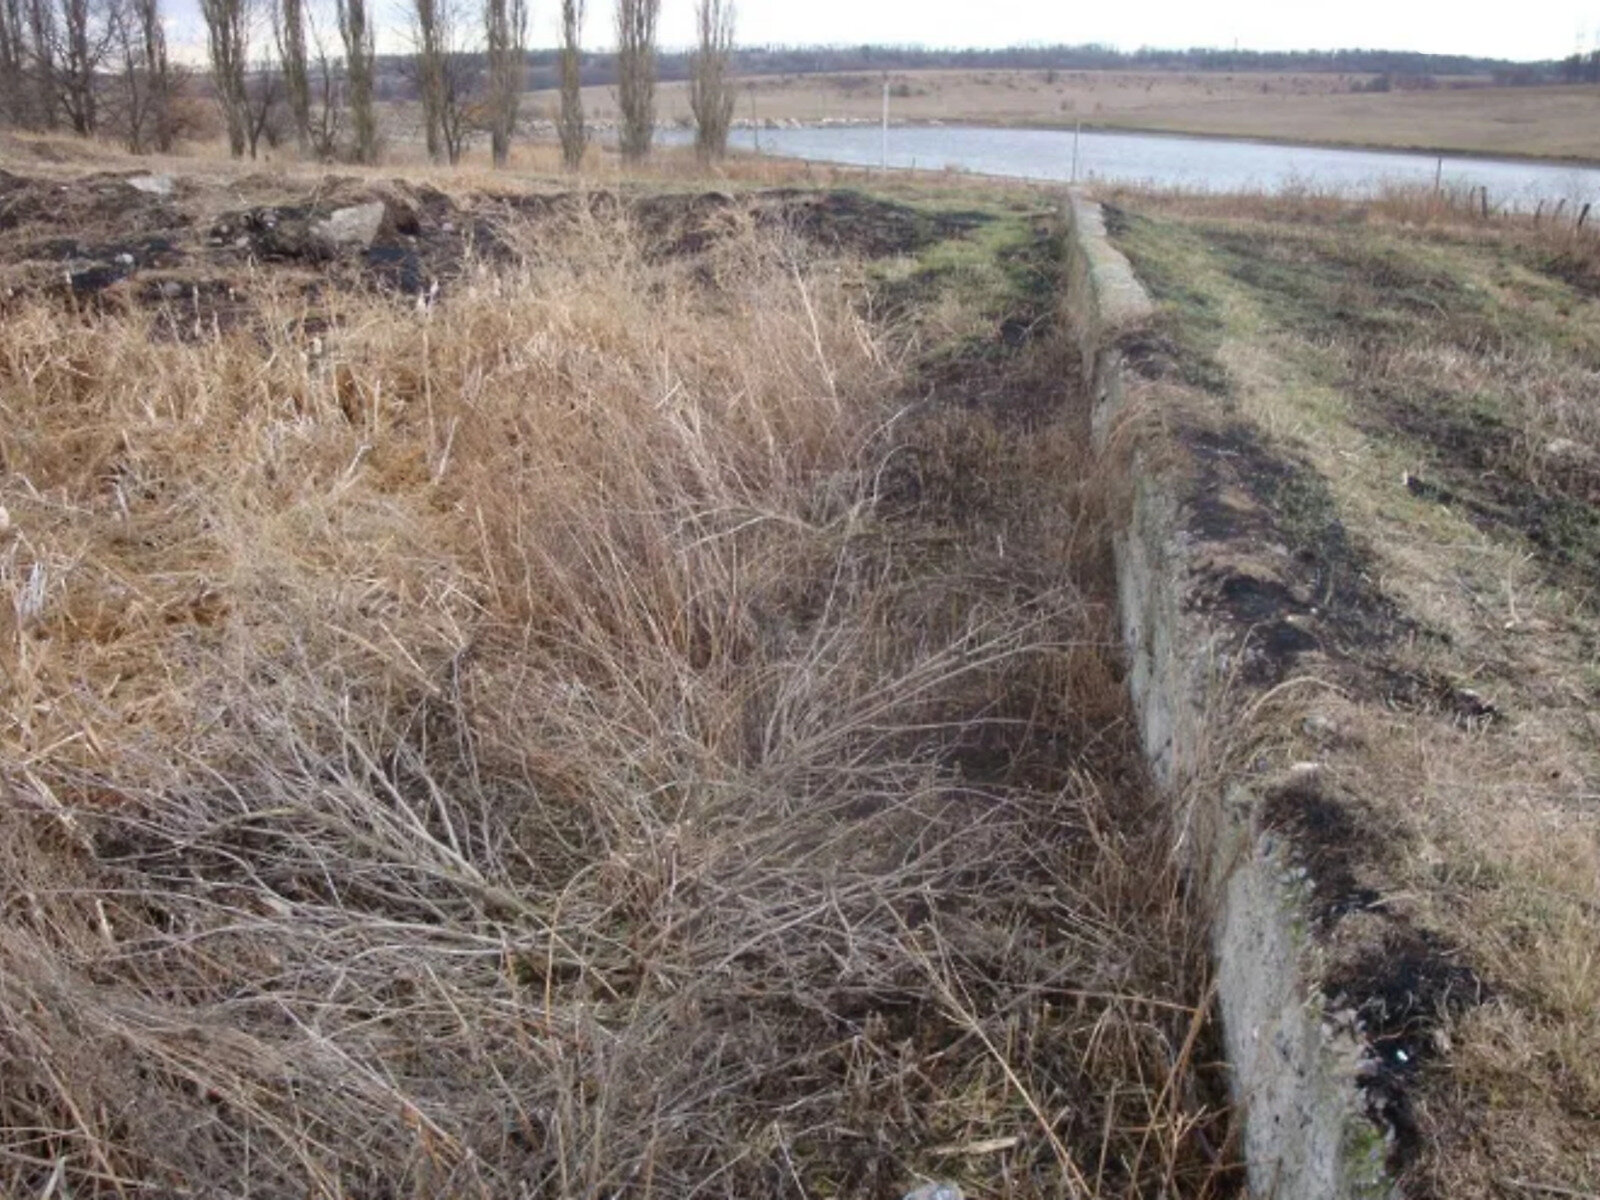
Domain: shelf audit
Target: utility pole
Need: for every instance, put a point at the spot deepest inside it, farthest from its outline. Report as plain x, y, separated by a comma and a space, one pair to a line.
886, 122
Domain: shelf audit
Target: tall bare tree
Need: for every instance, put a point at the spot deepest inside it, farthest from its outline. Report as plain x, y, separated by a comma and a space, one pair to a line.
570, 124
711, 93
429, 63
13, 63
146, 92
446, 71
636, 75
505, 27
228, 42
327, 110
87, 32
289, 31
42, 43
360, 58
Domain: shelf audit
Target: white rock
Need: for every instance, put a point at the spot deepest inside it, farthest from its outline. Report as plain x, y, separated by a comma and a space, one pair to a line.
152, 185
1565, 448
352, 228
936, 1191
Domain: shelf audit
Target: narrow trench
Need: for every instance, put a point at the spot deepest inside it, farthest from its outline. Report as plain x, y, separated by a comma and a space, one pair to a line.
1065, 963
866, 892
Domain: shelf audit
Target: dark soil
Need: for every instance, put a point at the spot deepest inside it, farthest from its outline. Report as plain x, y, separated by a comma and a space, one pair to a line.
1401, 983
1334, 841
1475, 463
92, 235
1320, 595
1403, 989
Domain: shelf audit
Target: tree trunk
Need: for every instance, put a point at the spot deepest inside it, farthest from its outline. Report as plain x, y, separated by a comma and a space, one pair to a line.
710, 87
355, 29
571, 126
506, 32
290, 28
636, 75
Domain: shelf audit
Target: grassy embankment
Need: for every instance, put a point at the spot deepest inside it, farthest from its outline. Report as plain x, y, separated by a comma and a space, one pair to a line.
1554, 122
1421, 390
646, 724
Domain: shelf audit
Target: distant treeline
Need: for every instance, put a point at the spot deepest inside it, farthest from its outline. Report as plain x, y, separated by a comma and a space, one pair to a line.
1581, 68
808, 60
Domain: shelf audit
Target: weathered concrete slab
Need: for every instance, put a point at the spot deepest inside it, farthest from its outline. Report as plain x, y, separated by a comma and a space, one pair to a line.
1306, 1132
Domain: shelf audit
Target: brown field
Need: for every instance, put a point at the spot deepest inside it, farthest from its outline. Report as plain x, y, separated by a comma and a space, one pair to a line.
1559, 122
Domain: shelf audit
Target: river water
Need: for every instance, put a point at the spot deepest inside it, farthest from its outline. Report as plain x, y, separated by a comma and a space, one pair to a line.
1202, 164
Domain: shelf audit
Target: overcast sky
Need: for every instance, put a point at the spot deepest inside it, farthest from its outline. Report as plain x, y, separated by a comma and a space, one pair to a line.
1529, 30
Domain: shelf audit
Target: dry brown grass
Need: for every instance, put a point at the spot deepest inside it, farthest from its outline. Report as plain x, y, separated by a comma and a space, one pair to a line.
595, 735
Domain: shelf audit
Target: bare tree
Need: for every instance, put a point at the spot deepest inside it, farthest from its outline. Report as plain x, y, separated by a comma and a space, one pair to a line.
327, 111
13, 63
42, 42
446, 72
711, 93
266, 114
570, 124
87, 31
636, 75
144, 99
429, 63
461, 71
360, 55
160, 82
228, 41
505, 26
289, 31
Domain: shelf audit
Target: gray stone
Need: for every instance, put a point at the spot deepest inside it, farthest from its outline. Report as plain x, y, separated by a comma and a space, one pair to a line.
354, 228
936, 1191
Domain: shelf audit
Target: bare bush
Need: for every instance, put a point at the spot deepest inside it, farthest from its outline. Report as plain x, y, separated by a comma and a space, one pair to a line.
711, 93
570, 123
267, 116
636, 75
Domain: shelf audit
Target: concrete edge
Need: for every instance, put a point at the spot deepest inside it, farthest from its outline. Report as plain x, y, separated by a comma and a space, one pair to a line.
1306, 1134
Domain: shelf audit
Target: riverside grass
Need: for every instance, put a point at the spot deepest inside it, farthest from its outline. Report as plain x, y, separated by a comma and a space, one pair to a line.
608, 732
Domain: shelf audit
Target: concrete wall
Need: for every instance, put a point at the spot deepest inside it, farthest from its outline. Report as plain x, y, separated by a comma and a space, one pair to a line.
1306, 1135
